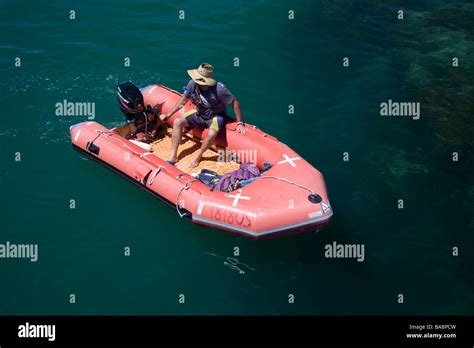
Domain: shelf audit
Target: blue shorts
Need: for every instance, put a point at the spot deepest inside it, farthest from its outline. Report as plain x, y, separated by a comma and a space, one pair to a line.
194, 120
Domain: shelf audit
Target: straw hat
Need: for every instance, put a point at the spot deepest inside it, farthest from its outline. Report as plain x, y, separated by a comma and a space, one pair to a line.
203, 75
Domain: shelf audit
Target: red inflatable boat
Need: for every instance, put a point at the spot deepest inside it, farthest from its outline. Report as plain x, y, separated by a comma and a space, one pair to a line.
290, 197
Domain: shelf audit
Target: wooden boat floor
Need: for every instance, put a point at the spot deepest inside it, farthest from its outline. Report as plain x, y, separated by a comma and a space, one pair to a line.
186, 153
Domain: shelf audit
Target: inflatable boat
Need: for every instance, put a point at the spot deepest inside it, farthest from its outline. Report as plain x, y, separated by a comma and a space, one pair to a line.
288, 197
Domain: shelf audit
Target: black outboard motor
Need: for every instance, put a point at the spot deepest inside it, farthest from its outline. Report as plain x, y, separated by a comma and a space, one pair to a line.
130, 101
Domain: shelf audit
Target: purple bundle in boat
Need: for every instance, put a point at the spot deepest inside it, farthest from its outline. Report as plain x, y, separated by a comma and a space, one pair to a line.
229, 181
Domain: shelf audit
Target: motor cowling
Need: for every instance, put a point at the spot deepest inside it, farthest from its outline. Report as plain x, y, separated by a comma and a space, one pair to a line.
130, 100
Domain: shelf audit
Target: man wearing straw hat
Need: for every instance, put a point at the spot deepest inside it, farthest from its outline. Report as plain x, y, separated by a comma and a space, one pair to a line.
210, 98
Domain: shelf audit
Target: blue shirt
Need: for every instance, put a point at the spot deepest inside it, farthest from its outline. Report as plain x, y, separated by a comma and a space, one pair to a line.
211, 102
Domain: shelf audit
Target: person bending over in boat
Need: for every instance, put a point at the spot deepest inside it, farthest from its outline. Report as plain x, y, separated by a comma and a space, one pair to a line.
146, 131
210, 98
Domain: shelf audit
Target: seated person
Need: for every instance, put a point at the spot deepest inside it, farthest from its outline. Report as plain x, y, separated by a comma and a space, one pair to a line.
210, 98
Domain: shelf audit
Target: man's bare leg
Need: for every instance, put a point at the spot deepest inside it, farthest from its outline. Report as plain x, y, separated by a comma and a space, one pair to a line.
178, 125
206, 143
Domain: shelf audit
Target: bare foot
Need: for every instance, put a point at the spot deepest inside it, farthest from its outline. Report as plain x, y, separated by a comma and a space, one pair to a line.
195, 162
172, 159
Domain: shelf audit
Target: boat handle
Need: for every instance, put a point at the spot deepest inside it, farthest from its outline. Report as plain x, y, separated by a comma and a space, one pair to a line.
155, 173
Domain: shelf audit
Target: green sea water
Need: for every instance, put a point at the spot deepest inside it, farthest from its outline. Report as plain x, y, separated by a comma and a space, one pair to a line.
282, 62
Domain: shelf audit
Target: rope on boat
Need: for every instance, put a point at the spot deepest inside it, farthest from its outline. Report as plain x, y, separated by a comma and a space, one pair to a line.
186, 186
188, 183
155, 173
98, 135
124, 145
287, 181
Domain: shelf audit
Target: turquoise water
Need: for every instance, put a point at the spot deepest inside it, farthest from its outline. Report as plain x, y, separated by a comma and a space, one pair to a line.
282, 62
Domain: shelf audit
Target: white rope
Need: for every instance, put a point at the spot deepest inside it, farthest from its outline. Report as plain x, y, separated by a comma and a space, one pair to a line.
285, 180
124, 145
155, 173
107, 134
186, 186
